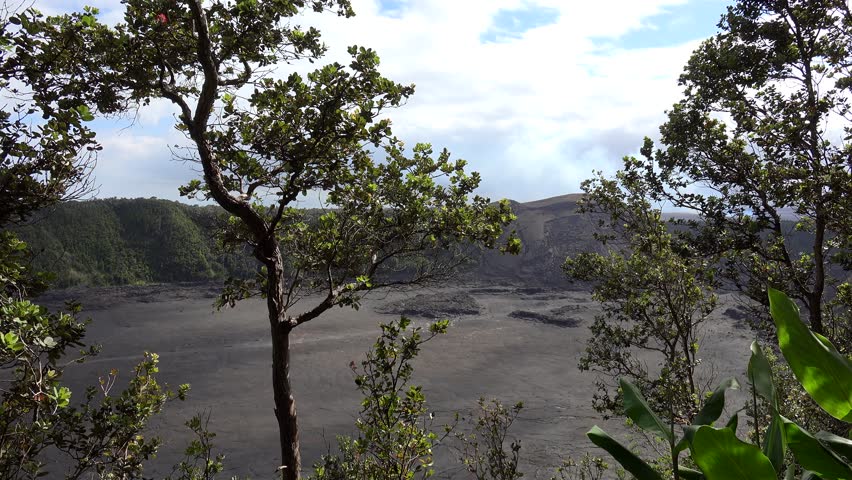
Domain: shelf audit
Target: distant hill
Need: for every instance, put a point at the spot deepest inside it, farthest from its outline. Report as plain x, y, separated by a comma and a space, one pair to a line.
550, 230
134, 241
120, 241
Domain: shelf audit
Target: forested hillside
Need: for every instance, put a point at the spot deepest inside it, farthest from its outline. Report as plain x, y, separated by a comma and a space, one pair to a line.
121, 241
127, 241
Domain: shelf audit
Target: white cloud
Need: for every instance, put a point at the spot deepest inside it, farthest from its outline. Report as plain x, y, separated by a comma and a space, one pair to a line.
541, 97
525, 111
159, 112
138, 163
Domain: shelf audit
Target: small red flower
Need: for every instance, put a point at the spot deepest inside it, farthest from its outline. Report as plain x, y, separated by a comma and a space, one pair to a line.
162, 18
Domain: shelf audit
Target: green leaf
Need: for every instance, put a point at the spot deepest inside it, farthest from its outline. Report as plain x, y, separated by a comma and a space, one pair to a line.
686, 441
713, 407
824, 373
839, 445
722, 456
689, 432
812, 455
13, 342
640, 412
689, 474
760, 374
85, 113
633, 464
773, 443
62, 396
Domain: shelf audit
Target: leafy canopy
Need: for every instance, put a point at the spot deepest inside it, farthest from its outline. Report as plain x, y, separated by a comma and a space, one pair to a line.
758, 147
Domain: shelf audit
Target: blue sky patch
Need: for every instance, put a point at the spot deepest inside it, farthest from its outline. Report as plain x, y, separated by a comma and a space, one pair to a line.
678, 24
392, 8
508, 24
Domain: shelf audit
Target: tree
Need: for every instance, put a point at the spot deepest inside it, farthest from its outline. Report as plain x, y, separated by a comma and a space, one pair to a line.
395, 432
40, 418
50, 85
42, 161
717, 452
759, 149
654, 301
263, 142
486, 450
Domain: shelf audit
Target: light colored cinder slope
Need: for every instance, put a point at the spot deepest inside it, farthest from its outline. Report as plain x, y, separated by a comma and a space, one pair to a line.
549, 230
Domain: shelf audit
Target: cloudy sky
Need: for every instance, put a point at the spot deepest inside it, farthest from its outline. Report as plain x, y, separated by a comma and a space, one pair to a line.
535, 94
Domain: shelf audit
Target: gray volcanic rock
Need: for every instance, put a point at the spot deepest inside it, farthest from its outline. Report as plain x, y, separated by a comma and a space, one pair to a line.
568, 309
559, 317
106, 297
434, 305
550, 230
226, 355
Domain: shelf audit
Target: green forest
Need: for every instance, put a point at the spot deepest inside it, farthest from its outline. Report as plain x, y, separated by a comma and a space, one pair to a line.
751, 150
131, 241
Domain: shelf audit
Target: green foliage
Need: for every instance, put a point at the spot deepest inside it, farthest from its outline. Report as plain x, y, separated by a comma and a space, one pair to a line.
749, 151
714, 405
45, 428
637, 409
47, 149
825, 373
395, 435
794, 402
760, 375
630, 461
390, 223
116, 241
199, 463
588, 468
294, 135
654, 300
813, 455
641, 414
762, 384
82, 242
49, 430
103, 435
720, 454
484, 451
395, 438
172, 244
754, 128
16, 278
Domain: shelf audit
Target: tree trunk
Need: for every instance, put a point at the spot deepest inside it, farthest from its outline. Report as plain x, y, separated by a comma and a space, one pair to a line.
285, 404
819, 275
